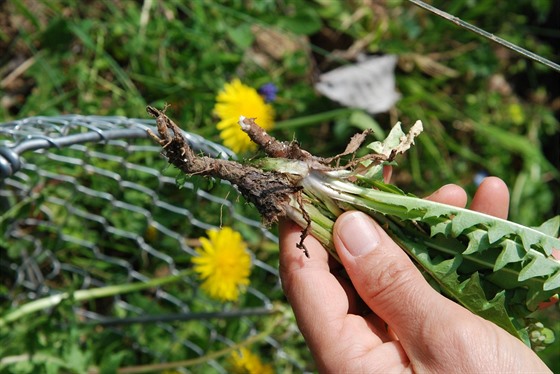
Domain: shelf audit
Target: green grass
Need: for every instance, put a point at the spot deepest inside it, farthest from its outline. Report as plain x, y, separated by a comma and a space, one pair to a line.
485, 109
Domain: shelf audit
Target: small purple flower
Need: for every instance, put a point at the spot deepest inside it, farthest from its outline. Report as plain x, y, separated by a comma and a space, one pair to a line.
479, 177
268, 91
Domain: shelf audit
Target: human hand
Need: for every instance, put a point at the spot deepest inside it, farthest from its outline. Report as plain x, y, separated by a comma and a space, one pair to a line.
386, 317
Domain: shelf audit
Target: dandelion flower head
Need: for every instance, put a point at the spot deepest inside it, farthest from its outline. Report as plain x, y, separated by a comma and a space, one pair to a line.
245, 362
223, 264
235, 100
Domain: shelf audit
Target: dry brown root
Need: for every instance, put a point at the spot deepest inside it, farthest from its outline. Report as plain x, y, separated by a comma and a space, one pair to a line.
269, 191
292, 150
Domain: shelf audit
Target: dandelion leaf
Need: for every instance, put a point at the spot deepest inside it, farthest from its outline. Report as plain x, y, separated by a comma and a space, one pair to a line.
386, 146
511, 252
548, 243
497, 230
442, 227
550, 227
462, 221
498, 269
538, 267
530, 237
478, 241
469, 292
494, 310
552, 283
397, 141
436, 211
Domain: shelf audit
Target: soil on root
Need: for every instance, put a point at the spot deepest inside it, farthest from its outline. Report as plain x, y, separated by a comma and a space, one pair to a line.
269, 191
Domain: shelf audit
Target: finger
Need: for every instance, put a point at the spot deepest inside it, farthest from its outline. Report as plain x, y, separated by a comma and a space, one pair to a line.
293, 261
425, 322
492, 197
320, 302
450, 194
387, 280
295, 268
317, 298
387, 173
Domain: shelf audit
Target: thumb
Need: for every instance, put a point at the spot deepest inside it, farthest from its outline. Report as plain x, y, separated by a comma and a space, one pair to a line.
385, 277
433, 330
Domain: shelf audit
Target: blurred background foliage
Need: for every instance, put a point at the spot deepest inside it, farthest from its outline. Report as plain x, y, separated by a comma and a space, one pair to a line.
486, 110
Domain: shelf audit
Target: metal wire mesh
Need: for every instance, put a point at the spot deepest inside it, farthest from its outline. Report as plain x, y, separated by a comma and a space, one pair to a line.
92, 203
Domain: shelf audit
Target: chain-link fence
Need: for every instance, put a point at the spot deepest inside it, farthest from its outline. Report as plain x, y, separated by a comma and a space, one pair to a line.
88, 201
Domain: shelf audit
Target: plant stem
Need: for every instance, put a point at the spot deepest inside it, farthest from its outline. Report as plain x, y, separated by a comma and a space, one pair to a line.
82, 295
208, 357
174, 317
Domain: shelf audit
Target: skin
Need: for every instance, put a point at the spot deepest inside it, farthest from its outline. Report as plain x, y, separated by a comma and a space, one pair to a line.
387, 318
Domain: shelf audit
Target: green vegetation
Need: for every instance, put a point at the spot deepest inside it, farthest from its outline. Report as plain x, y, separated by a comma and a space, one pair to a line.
485, 109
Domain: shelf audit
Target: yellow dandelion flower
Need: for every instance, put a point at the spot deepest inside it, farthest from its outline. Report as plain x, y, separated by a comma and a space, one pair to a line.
245, 362
235, 100
224, 264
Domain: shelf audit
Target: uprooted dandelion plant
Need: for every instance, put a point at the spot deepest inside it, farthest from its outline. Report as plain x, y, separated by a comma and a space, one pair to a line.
498, 269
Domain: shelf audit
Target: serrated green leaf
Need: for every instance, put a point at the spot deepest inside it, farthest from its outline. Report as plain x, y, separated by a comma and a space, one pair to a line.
478, 241
436, 211
397, 141
548, 243
553, 283
497, 230
539, 266
493, 310
469, 292
550, 227
463, 221
512, 252
386, 146
443, 228
530, 237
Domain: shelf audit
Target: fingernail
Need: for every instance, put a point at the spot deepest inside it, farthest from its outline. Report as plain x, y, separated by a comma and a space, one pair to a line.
357, 233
